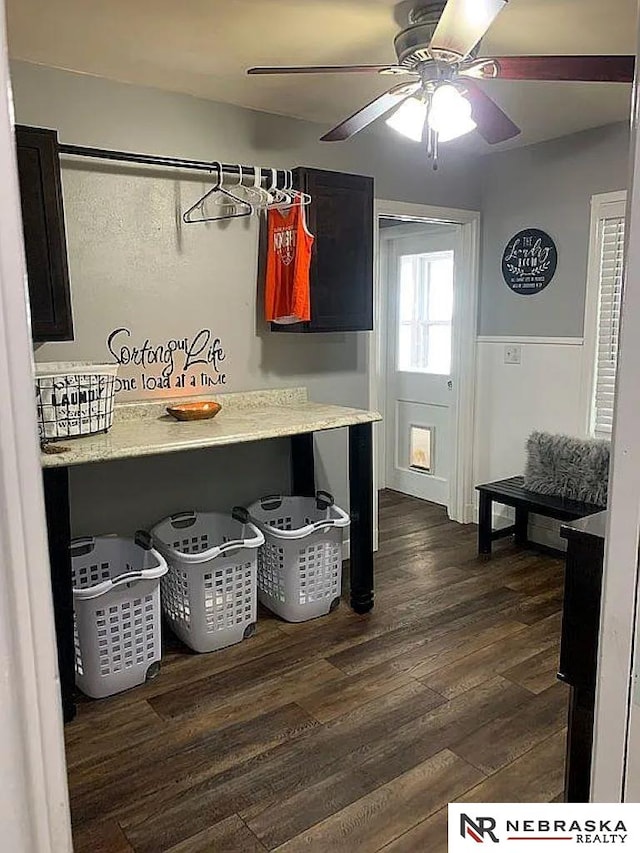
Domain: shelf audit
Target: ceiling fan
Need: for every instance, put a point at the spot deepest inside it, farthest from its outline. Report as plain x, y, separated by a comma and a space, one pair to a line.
438, 50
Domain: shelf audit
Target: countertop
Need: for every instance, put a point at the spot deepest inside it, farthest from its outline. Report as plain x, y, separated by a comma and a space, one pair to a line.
144, 429
592, 525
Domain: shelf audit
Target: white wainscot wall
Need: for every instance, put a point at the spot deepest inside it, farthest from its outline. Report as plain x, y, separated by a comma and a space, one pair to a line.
543, 392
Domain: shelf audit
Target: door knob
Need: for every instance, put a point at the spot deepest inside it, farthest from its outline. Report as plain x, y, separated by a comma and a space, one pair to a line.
450, 385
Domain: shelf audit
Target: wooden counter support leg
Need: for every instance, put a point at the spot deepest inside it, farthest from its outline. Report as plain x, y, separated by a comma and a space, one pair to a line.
485, 523
361, 500
522, 526
56, 498
303, 480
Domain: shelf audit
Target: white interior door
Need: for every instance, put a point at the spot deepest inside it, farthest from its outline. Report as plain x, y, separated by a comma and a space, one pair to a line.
420, 396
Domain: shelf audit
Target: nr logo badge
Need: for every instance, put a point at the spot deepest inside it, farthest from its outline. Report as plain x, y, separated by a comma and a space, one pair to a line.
481, 829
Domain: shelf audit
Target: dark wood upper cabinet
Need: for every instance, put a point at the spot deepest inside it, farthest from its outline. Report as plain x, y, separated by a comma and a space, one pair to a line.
44, 234
340, 217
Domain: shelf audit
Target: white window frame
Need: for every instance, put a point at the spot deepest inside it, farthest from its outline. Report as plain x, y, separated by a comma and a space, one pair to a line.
603, 206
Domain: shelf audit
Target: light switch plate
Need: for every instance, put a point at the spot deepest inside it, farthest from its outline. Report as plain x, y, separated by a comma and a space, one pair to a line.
512, 354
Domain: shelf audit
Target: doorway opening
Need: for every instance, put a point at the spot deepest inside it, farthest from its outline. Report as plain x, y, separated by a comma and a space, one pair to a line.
423, 366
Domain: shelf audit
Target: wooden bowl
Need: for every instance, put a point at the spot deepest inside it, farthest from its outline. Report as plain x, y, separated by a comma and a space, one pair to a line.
201, 410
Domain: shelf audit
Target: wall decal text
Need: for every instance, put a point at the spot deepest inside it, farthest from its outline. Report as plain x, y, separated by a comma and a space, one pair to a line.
190, 362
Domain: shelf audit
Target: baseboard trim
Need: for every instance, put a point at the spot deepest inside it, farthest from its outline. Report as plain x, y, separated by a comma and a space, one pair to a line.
525, 339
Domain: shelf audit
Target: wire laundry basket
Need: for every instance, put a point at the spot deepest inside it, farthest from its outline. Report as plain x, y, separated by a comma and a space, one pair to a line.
74, 398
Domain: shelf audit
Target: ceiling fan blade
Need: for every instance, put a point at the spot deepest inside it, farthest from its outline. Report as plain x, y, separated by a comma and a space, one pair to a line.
598, 69
494, 125
462, 24
330, 69
376, 109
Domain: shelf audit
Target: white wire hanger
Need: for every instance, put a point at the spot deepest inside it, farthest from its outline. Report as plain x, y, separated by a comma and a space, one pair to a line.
299, 197
286, 196
279, 199
241, 200
254, 194
259, 190
230, 205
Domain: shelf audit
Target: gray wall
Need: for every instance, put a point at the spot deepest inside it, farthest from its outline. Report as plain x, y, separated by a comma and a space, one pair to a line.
92, 111
547, 186
134, 264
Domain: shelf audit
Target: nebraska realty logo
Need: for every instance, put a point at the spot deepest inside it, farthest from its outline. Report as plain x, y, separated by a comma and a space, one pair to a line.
478, 828
544, 826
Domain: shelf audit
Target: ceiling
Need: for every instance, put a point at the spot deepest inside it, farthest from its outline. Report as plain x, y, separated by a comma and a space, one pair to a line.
203, 47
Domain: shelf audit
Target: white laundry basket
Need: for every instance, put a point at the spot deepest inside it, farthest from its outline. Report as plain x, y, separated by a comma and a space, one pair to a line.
209, 594
74, 398
116, 599
300, 564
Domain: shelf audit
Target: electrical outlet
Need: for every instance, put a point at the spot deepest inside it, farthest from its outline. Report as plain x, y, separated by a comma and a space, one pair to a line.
512, 354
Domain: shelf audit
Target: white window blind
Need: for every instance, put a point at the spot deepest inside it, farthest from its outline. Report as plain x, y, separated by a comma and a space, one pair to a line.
609, 307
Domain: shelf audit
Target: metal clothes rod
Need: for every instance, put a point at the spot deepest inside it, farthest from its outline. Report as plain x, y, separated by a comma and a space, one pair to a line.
150, 159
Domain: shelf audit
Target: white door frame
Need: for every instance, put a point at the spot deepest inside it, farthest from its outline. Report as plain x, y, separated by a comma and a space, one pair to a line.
464, 344
34, 806
614, 688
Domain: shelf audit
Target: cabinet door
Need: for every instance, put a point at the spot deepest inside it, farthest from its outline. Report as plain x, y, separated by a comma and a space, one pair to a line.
340, 217
44, 234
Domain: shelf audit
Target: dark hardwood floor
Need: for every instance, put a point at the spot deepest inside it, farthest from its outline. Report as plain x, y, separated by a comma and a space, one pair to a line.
349, 732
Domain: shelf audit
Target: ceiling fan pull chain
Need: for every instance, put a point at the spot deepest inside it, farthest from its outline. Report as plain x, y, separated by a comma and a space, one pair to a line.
432, 146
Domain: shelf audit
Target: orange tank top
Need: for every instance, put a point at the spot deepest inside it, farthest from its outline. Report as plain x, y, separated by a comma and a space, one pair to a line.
287, 298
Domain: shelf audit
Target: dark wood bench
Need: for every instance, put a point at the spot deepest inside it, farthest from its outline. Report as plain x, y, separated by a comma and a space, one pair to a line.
512, 492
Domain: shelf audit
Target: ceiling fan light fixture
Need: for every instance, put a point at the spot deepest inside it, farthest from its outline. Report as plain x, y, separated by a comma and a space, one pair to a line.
409, 119
450, 113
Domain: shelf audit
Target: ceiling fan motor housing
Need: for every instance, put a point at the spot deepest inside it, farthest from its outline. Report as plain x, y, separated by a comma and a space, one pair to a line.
412, 43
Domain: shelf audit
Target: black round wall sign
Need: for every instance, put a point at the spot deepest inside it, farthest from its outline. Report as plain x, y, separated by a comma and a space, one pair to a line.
529, 261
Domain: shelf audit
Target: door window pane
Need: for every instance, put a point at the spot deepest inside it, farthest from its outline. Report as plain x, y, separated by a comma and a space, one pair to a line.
407, 287
439, 352
425, 313
441, 290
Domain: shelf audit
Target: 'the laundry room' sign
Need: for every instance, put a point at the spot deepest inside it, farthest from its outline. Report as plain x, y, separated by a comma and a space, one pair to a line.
180, 365
529, 261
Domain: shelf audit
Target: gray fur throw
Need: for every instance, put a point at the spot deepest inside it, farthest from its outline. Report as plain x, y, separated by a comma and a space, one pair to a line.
575, 468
